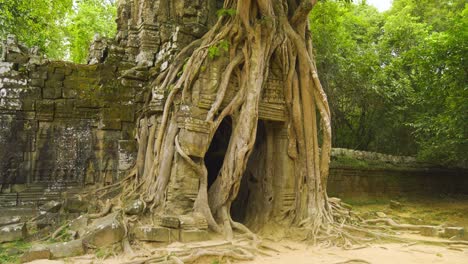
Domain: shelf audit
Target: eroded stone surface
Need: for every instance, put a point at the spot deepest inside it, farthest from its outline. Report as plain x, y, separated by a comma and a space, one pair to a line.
13, 232
193, 235
79, 225
134, 207
74, 205
67, 249
8, 220
156, 234
455, 232
104, 231
36, 252
51, 207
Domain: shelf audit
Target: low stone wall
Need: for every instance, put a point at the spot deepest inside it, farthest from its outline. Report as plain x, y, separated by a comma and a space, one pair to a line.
368, 174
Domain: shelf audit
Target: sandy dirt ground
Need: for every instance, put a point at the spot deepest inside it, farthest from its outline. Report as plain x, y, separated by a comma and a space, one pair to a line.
433, 211
299, 253
377, 253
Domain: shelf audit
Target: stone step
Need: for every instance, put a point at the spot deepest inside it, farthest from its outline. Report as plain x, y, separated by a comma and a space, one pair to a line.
8, 199
37, 194
23, 199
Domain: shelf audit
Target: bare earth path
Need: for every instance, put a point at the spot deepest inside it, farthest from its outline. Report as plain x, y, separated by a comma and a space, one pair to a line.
377, 253
299, 253
417, 211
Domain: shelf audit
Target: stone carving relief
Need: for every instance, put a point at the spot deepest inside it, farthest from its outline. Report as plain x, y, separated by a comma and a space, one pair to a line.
9, 175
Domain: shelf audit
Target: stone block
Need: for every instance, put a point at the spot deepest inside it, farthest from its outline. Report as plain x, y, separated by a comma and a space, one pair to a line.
105, 231
35, 253
88, 103
28, 104
73, 205
52, 92
194, 143
193, 235
156, 234
67, 249
132, 83
428, 231
45, 110
79, 225
13, 232
111, 113
17, 57
170, 221
64, 108
110, 124
8, 220
69, 93
134, 207
51, 207
135, 74
38, 74
127, 154
11, 104
190, 222
57, 75
5, 67
87, 113
456, 232
128, 130
127, 113
13, 82
79, 83
47, 219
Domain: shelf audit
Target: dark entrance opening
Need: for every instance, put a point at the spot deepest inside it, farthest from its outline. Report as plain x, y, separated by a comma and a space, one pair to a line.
215, 155
243, 208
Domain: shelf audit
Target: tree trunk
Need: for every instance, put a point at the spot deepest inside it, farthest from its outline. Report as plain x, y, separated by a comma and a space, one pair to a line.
233, 60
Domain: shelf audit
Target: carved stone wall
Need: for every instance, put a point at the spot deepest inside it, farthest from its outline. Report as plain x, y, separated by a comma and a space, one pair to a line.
63, 123
152, 31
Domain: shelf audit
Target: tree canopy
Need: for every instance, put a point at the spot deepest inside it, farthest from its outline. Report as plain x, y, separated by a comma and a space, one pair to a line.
397, 81
62, 29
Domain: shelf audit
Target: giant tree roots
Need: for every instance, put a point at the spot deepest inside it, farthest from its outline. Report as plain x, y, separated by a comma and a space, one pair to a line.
258, 35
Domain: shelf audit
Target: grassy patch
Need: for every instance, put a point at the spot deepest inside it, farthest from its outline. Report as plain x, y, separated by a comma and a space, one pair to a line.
11, 252
109, 251
366, 201
452, 211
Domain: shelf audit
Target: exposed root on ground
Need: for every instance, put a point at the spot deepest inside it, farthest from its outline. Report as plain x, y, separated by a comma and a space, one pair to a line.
355, 261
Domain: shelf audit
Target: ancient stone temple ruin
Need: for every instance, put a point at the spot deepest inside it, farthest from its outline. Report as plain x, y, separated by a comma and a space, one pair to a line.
66, 126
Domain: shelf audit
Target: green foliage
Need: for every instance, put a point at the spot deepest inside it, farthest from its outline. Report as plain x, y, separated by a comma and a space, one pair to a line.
36, 23
226, 12
61, 28
216, 50
18, 247
428, 68
396, 81
89, 18
103, 253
